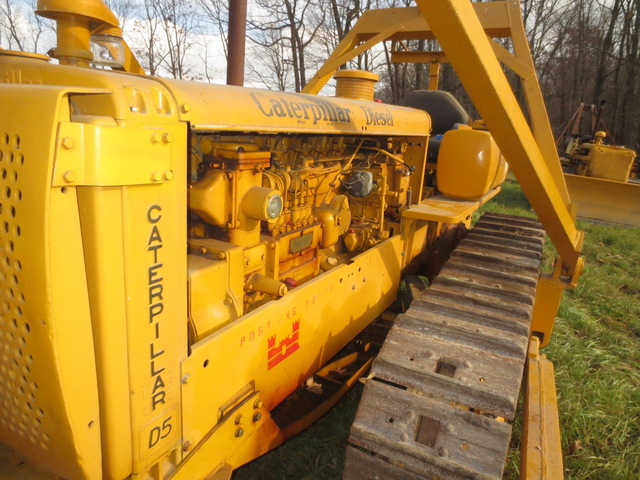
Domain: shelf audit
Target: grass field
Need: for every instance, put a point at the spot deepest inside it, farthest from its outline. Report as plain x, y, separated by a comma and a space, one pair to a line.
596, 353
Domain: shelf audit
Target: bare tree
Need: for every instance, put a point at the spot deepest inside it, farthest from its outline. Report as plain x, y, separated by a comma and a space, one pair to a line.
20, 28
149, 27
177, 21
124, 10
286, 29
215, 14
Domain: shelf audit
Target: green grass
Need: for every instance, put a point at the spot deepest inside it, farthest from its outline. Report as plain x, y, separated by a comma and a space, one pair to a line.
595, 349
596, 353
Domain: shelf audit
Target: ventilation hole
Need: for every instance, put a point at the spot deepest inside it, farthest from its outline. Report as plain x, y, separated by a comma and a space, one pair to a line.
16, 141
13, 213
206, 363
4, 173
18, 232
11, 157
15, 322
27, 327
7, 192
391, 420
5, 225
6, 139
63, 190
19, 195
40, 412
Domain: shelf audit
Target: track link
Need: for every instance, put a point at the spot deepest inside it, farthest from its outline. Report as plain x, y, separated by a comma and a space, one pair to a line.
450, 369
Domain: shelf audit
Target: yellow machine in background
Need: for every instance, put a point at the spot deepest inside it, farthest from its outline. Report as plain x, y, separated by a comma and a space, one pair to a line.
602, 179
177, 259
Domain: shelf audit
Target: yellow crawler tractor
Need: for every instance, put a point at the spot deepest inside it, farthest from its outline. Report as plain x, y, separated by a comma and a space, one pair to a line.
603, 179
190, 274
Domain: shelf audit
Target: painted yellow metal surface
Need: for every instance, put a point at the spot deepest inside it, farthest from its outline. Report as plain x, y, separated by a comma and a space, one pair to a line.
541, 448
545, 309
469, 164
76, 22
277, 346
223, 108
143, 379
447, 210
462, 29
605, 200
376, 26
48, 386
108, 155
462, 37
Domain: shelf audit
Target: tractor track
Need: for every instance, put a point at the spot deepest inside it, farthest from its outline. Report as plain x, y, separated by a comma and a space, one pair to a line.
449, 372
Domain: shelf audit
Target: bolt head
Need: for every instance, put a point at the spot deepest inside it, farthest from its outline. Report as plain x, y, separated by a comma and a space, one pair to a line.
69, 176
257, 417
168, 175
239, 432
167, 137
68, 143
156, 177
185, 108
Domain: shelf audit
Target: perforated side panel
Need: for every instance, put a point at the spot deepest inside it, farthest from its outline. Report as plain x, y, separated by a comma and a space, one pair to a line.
611, 163
21, 411
48, 393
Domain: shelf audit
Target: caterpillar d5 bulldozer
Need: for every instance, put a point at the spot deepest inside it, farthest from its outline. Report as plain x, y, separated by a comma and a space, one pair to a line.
190, 274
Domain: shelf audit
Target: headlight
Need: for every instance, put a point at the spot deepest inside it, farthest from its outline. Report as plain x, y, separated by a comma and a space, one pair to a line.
107, 50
